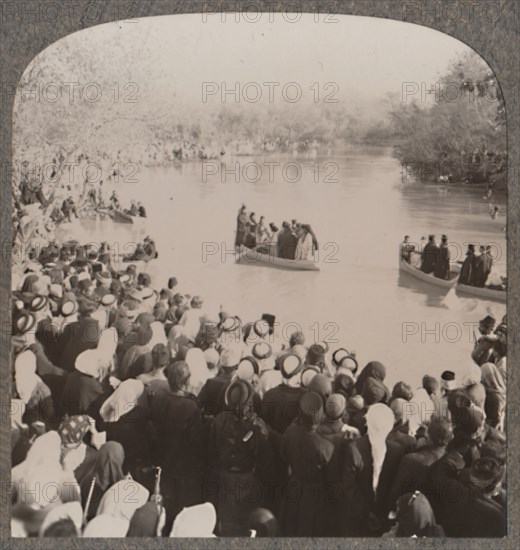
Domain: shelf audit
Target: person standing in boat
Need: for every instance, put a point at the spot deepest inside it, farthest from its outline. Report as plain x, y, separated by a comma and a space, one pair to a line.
251, 227
442, 267
287, 242
242, 219
479, 276
430, 255
141, 210
305, 244
466, 271
406, 249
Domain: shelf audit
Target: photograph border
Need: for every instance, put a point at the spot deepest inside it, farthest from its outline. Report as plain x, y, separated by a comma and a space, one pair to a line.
488, 27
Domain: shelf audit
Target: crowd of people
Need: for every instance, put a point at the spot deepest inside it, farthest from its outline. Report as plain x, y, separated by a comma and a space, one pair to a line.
138, 412
476, 269
294, 241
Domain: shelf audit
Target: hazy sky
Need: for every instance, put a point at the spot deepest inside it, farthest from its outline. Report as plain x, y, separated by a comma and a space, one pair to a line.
366, 57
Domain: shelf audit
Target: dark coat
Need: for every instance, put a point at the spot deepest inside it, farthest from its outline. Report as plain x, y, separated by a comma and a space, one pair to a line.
413, 471
280, 406
430, 257
212, 394
76, 338
361, 503
442, 267
466, 271
308, 454
82, 394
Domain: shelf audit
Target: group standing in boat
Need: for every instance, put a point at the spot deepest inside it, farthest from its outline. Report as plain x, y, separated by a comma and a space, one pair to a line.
294, 241
476, 270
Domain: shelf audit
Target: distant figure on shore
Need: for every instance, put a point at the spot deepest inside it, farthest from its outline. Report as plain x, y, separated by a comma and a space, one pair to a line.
430, 255
493, 211
406, 249
466, 271
141, 210
442, 267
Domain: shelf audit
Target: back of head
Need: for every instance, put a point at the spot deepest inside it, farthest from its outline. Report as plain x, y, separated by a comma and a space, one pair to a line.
440, 431
64, 527
178, 375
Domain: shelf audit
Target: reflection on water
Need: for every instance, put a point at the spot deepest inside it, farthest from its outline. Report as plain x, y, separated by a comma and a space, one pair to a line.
405, 323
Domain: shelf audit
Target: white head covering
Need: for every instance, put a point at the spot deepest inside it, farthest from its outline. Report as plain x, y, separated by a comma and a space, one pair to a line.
493, 379
123, 400
106, 526
195, 521
471, 376
107, 343
198, 369
418, 410
70, 510
191, 321
269, 379
89, 362
380, 421
41, 472
123, 499
26, 378
158, 334
101, 316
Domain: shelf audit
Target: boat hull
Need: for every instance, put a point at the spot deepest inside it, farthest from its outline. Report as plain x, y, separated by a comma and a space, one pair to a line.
252, 257
485, 293
418, 274
122, 217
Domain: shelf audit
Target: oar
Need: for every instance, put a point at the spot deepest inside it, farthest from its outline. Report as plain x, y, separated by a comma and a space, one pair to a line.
89, 498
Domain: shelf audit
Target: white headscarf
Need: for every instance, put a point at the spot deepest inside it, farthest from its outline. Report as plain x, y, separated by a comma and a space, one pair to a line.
26, 378
123, 499
418, 410
195, 522
198, 369
39, 475
123, 400
70, 510
106, 526
158, 334
380, 421
269, 379
89, 362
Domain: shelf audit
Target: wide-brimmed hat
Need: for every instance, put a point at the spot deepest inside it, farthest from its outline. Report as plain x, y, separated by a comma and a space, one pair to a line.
448, 381
108, 300
25, 323
68, 308
311, 406
238, 394
39, 303
290, 365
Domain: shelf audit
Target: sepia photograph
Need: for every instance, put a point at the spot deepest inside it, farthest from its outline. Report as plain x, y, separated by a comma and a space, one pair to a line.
258, 281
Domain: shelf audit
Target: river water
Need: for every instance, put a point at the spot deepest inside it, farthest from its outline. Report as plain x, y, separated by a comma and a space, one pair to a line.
360, 208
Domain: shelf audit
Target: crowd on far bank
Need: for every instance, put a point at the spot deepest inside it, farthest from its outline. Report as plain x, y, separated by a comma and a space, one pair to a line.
137, 411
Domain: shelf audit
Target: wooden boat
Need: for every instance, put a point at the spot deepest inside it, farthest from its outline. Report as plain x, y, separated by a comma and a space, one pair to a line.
121, 217
482, 292
418, 274
253, 257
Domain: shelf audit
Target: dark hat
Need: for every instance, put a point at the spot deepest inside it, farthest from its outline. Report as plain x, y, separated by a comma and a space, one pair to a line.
270, 320
323, 345
311, 406
69, 307
430, 384
238, 394
448, 380
373, 391
290, 365
315, 354
263, 522
470, 419
343, 384
85, 283
25, 323
471, 247
486, 473
160, 355
72, 430
144, 279
262, 350
488, 321
403, 391
335, 406
172, 282
444, 238
38, 303
322, 385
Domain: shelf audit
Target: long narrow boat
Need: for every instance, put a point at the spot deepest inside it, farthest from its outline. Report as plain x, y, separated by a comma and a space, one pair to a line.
418, 274
121, 217
482, 292
253, 257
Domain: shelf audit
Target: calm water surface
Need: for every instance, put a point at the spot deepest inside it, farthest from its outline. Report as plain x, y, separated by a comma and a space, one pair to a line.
358, 298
